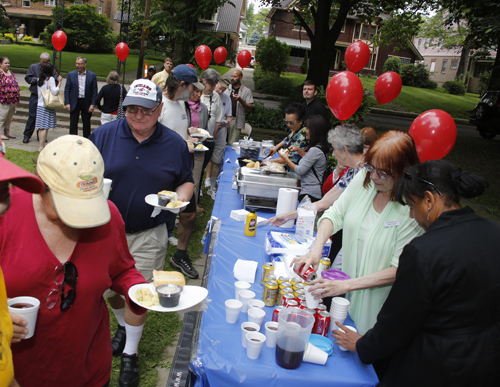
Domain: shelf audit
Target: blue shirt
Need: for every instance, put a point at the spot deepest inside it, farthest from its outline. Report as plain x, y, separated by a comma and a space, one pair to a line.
162, 162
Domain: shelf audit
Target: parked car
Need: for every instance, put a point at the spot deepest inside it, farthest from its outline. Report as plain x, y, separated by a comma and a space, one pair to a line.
252, 62
486, 115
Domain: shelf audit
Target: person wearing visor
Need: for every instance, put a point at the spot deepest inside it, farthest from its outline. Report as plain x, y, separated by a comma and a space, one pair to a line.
68, 249
142, 157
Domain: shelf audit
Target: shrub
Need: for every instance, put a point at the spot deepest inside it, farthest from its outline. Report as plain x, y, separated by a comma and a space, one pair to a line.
393, 64
262, 117
414, 75
271, 83
9, 36
454, 87
305, 64
27, 38
272, 55
484, 80
429, 84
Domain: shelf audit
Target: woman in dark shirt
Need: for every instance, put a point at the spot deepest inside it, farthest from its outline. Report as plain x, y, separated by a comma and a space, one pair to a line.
111, 95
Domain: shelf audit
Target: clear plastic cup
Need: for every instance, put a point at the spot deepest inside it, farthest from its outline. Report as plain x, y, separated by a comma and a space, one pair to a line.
255, 342
247, 327
244, 297
233, 308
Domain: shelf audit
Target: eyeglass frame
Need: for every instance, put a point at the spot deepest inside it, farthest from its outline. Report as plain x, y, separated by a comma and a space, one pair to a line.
383, 175
290, 122
149, 113
66, 301
424, 181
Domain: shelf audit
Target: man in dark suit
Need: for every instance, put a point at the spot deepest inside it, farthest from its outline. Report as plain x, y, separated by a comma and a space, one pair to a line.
80, 96
32, 78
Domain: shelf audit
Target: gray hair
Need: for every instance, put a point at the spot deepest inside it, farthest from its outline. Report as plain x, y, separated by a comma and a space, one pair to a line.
347, 135
45, 55
113, 78
82, 59
210, 76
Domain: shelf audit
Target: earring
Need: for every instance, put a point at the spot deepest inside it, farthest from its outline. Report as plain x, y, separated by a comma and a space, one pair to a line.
428, 212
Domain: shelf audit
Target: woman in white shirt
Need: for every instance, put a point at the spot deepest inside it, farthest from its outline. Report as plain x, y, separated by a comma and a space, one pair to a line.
46, 118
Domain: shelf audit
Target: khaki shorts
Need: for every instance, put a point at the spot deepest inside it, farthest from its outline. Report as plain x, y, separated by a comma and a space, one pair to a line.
148, 248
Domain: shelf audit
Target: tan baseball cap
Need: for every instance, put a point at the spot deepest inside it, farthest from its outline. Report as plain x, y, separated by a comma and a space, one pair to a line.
73, 169
224, 82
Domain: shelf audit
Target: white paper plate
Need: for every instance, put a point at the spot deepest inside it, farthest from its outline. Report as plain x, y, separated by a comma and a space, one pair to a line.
152, 200
190, 296
200, 150
202, 133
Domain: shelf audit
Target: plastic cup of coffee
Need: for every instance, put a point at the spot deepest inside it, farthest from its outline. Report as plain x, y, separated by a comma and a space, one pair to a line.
311, 302
27, 308
247, 327
255, 342
106, 187
244, 297
256, 315
233, 308
314, 355
240, 285
253, 303
352, 329
271, 333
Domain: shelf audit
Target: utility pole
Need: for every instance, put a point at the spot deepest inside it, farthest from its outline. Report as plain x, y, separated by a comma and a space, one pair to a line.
140, 68
58, 25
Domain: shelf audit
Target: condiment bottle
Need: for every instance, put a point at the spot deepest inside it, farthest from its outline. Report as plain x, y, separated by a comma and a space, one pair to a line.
251, 224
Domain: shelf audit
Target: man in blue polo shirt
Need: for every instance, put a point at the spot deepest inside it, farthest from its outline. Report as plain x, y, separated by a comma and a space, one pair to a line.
142, 157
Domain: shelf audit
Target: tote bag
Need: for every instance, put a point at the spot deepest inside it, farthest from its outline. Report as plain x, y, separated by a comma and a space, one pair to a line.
52, 101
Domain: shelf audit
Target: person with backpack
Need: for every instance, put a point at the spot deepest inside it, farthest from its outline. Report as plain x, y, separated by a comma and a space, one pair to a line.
311, 167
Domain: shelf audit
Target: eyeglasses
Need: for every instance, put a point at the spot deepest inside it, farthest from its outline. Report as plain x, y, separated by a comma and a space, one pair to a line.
146, 112
407, 174
290, 122
63, 274
383, 175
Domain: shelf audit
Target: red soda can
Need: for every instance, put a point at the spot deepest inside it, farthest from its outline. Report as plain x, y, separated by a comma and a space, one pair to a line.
276, 313
286, 297
292, 304
322, 324
303, 304
301, 298
308, 276
321, 308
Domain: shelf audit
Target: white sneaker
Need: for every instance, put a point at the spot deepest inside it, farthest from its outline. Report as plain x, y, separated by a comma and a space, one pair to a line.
207, 182
212, 194
201, 193
172, 240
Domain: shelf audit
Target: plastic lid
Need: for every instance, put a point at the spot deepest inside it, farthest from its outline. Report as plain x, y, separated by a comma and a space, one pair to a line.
334, 275
322, 343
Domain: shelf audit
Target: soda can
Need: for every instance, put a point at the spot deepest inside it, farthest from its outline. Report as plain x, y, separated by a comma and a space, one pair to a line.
270, 293
322, 323
298, 285
321, 308
266, 270
296, 280
292, 304
286, 297
311, 312
270, 277
285, 284
299, 292
303, 304
301, 298
324, 264
282, 279
308, 276
276, 313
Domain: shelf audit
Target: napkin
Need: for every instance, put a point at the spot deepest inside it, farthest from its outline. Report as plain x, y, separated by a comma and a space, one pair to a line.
155, 212
245, 270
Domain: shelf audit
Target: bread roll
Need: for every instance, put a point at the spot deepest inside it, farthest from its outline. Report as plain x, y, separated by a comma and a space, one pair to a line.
168, 277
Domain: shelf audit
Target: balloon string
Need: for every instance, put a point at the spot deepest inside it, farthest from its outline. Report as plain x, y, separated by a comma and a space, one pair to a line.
360, 118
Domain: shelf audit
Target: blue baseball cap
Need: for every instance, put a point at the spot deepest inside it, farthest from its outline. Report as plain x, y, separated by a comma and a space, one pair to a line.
187, 74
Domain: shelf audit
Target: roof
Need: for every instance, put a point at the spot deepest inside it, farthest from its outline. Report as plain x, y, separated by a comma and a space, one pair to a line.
227, 19
28, 12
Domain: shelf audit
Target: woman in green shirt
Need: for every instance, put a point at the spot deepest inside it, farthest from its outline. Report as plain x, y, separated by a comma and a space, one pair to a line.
375, 230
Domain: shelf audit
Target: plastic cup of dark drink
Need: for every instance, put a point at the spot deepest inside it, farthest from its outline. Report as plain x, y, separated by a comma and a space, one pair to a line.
27, 308
247, 327
294, 329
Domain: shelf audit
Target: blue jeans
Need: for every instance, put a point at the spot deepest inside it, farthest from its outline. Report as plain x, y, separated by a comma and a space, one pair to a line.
30, 123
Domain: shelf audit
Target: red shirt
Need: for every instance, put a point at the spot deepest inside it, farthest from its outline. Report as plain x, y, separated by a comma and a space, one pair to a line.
69, 348
329, 183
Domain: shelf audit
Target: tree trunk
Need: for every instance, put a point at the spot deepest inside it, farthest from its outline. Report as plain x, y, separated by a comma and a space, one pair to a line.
320, 61
495, 72
462, 65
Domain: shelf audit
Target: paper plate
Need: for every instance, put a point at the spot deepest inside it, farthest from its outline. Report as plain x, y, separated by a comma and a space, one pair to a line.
202, 133
200, 150
152, 200
322, 343
190, 296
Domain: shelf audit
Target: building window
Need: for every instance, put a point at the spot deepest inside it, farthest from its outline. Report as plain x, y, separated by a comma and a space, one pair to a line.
100, 7
357, 30
419, 42
78, 2
454, 65
343, 28
404, 61
425, 42
364, 34
364, 31
27, 3
433, 66
445, 63
50, 3
373, 31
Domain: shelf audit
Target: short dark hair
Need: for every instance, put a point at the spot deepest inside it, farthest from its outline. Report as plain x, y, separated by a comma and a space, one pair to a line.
310, 83
296, 108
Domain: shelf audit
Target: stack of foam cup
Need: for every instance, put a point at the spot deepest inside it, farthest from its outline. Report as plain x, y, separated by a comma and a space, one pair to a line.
338, 311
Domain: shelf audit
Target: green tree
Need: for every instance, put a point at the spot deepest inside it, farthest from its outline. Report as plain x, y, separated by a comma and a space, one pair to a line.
250, 15
4, 25
254, 38
305, 63
393, 64
272, 55
87, 31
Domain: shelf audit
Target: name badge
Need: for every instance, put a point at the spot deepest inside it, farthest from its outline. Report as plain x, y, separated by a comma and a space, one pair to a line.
391, 223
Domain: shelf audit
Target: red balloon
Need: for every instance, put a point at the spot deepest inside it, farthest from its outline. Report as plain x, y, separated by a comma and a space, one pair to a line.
203, 56
357, 56
434, 132
122, 51
190, 65
244, 58
344, 94
388, 87
220, 54
59, 40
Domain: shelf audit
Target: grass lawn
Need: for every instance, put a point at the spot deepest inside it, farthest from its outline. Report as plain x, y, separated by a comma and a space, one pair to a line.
297, 79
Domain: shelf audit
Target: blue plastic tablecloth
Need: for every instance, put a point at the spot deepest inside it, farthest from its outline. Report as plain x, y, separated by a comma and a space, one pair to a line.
221, 360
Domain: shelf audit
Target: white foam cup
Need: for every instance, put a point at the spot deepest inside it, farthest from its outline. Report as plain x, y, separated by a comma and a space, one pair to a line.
311, 302
352, 329
244, 331
271, 334
313, 354
29, 313
244, 297
106, 187
233, 308
333, 318
240, 285
255, 342
256, 315
253, 303
341, 302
